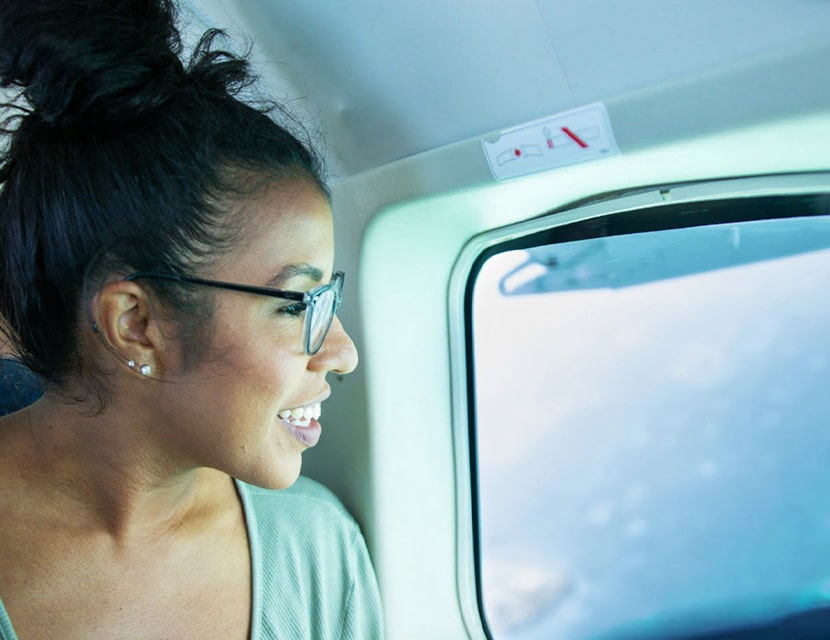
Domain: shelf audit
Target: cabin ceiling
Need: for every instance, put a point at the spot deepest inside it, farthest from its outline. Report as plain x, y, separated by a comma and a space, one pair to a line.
386, 79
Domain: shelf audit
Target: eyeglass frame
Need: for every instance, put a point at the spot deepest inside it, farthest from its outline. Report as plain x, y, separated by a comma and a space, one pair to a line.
308, 298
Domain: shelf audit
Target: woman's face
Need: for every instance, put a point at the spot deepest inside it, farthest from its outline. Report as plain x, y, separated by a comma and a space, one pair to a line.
252, 406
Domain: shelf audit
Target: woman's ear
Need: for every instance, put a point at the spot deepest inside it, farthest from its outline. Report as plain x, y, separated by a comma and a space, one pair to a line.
126, 320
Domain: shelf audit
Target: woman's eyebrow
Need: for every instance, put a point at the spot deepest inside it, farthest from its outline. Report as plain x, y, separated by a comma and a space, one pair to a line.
295, 271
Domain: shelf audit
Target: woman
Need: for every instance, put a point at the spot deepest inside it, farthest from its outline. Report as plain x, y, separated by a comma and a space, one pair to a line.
166, 271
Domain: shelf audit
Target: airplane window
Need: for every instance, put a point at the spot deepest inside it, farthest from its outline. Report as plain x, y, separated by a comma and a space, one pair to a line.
650, 405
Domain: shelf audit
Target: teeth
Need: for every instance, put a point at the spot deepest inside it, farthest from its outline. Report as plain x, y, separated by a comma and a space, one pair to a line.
301, 416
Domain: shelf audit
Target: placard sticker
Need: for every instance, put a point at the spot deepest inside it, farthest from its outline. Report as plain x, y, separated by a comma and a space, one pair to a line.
569, 137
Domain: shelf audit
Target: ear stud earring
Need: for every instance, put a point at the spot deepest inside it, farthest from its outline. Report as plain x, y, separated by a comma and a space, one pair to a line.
144, 369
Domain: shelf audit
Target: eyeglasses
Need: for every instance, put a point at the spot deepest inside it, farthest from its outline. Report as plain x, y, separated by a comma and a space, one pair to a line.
320, 304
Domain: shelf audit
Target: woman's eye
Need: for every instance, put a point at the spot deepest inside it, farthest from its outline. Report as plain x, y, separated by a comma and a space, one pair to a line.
295, 309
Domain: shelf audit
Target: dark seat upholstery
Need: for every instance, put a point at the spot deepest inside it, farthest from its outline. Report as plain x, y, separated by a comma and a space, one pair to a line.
19, 387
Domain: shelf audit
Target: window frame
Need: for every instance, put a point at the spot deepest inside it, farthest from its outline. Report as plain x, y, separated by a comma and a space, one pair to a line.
459, 304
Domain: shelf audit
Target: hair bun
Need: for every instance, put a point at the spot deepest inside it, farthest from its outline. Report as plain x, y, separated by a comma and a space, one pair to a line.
114, 59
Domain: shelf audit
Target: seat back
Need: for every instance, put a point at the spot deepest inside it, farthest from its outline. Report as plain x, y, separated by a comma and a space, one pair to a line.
19, 387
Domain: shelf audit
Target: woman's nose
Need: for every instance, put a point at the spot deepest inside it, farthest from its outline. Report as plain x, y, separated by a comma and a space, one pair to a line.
338, 353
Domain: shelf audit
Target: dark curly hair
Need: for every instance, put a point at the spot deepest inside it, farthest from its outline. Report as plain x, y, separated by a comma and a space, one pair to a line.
120, 157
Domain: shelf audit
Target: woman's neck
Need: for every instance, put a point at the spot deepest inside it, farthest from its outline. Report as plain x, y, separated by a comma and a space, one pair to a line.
107, 473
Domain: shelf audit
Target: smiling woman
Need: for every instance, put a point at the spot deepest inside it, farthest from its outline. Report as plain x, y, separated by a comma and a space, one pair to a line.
166, 251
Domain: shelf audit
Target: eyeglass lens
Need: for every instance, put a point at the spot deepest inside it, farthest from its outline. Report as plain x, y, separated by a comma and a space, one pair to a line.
321, 318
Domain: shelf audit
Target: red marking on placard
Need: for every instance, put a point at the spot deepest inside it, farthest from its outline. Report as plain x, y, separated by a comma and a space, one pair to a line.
517, 153
575, 138
550, 143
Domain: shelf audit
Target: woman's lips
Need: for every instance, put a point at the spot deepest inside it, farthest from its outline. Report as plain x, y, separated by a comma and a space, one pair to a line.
302, 423
308, 435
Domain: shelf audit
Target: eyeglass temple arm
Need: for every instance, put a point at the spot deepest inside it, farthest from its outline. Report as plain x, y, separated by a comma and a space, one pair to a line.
218, 284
